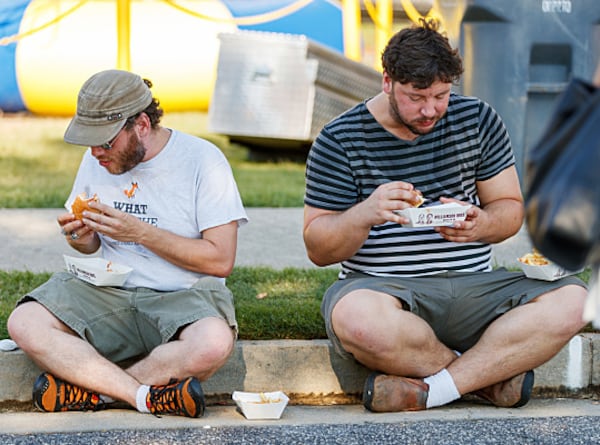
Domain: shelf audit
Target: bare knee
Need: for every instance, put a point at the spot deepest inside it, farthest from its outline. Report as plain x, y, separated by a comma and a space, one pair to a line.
209, 351
16, 326
217, 353
33, 328
353, 324
24, 324
566, 305
575, 297
379, 329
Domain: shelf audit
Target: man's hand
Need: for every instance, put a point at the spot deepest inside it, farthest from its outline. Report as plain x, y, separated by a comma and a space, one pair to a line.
114, 223
464, 231
388, 198
331, 236
79, 236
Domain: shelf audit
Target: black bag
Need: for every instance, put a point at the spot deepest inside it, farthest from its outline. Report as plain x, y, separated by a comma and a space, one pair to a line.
562, 196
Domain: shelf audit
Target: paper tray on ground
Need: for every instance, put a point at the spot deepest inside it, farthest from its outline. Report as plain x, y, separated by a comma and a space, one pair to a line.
254, 407
442, 215
97, 271
546, 272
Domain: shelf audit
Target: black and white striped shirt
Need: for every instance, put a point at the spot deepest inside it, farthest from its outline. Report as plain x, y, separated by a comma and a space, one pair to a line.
354, 154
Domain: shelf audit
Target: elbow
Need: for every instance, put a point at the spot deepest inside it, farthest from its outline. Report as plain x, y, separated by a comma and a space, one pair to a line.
318, 260
222, 269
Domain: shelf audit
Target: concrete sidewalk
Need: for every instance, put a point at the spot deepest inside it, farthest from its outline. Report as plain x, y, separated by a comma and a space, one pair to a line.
218, 417
31, 240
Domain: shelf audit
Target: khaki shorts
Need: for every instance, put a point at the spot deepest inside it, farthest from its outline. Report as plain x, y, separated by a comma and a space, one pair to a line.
126, 323
459, 306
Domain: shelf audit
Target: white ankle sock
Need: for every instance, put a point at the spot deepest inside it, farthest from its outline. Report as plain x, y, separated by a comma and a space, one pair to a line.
442, 389
140, 399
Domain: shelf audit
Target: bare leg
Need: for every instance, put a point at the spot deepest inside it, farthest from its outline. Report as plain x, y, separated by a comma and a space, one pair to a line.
522, 339
201, 349
55, 348
381, 335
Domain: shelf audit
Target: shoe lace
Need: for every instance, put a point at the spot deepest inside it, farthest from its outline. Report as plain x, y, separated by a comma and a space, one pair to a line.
77, 398
164, 399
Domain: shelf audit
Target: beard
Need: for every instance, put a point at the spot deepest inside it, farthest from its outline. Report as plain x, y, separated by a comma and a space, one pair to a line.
130, 157
397, 116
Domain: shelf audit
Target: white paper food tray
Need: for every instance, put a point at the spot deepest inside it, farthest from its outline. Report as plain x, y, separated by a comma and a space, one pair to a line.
97, 271
254, 407
546, 272
441, 215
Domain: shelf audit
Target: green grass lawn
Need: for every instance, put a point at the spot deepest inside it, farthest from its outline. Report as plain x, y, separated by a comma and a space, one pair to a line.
270, 304
37, 167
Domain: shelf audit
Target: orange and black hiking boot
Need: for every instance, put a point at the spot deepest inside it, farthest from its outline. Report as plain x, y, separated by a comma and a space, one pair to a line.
182, 398
52, 394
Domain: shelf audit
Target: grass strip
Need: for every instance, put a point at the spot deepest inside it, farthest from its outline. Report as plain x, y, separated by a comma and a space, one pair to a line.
270, 304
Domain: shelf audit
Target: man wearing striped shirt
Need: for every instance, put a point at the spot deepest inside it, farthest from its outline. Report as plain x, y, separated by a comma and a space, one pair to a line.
421, 306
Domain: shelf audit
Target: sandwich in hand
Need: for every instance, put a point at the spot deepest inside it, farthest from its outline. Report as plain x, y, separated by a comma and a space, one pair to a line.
81, 203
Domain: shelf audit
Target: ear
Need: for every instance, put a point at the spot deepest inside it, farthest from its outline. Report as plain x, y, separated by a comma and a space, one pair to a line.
143, 125
387, 83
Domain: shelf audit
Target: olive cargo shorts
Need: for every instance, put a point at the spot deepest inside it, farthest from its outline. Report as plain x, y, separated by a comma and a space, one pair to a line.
459, 306
122, 323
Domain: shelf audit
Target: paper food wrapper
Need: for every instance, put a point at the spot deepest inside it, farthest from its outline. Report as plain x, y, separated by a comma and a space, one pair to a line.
441, 215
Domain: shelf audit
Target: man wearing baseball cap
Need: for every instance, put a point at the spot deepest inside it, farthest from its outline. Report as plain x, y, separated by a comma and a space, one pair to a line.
169, 208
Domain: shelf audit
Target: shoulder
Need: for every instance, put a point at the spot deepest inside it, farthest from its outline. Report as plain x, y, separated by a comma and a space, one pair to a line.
189, 146
464, 109
349, 119
469, 104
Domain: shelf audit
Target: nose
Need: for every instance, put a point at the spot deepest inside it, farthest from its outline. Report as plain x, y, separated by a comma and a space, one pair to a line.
428, 109
96, 151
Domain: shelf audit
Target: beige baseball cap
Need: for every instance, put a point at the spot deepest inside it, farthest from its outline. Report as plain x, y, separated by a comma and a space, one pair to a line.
105, 101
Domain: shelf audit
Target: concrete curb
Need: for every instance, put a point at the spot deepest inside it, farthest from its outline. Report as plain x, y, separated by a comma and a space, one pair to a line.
311, 373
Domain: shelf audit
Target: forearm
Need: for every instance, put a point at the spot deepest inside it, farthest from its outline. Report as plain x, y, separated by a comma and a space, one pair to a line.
198, 255
335, 236
504, 219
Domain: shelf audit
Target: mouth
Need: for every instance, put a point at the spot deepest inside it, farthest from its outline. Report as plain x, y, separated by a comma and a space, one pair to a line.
426, 123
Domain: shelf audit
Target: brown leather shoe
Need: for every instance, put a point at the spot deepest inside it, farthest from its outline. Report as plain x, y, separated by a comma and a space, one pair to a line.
388, 393
511, 393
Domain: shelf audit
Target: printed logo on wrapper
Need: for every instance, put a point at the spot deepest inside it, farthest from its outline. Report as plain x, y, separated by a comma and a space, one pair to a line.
442, 215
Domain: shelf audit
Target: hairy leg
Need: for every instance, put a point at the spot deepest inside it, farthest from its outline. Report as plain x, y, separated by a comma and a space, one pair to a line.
375, 328
522, 339
200, 350
381, 335
57, 349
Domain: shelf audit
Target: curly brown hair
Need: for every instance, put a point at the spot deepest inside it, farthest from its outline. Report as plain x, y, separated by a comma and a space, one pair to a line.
153, 111
420, 55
